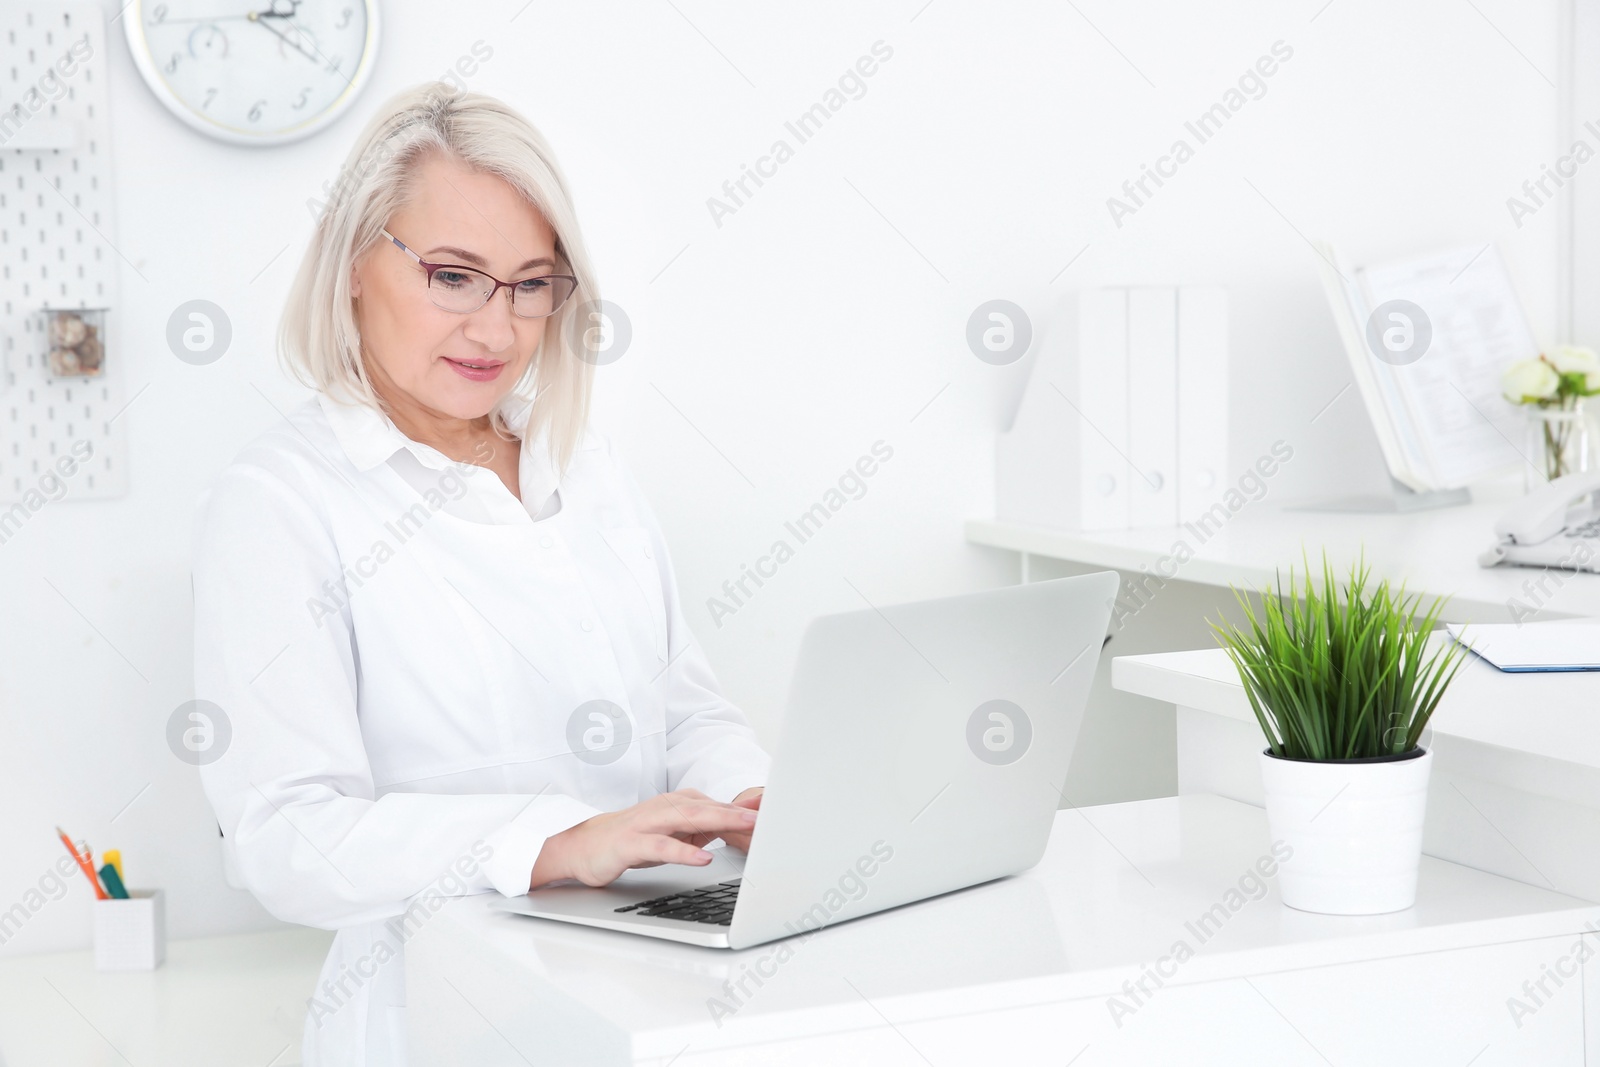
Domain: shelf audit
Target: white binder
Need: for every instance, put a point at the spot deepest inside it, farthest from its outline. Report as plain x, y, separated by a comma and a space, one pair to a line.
1124, 420
1152, 407
1103, 419
1060, 463
1202, 398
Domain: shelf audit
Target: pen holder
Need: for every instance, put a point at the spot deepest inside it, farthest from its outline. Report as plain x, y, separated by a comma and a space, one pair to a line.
131, 934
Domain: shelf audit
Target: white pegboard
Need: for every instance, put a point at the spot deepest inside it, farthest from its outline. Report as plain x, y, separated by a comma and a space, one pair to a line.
56, 249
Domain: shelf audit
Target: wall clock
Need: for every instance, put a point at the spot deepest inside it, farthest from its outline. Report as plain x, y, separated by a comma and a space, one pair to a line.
254, 71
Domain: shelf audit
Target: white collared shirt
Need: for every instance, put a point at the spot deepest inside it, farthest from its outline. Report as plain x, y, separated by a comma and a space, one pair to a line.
421, 680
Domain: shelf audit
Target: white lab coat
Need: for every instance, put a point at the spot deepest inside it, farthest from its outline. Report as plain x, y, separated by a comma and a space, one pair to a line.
405, 659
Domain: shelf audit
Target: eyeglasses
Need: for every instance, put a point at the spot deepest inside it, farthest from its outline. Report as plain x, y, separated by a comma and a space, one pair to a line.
464, 290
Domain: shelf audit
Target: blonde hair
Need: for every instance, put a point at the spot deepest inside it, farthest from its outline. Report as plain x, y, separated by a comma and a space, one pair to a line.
318, 340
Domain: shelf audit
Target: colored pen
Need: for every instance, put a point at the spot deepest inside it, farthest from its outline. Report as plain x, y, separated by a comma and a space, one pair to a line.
114, 857
83, 865
113, 881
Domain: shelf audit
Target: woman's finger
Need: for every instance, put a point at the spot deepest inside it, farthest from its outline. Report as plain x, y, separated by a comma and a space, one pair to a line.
699, 816
662, 849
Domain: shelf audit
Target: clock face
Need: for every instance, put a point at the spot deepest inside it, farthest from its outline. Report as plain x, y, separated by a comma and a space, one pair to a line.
254, 71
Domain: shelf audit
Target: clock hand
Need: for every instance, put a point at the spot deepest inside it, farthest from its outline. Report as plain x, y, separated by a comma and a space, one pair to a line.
275, 13
271, 12
255, 17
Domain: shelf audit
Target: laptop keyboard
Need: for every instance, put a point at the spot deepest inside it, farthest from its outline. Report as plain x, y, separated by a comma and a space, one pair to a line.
711, 904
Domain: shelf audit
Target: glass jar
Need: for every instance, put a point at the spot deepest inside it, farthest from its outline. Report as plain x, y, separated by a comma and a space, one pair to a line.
1561, 441
76, 340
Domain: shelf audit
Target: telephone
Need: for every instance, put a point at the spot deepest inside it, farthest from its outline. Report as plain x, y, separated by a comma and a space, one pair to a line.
1557, 525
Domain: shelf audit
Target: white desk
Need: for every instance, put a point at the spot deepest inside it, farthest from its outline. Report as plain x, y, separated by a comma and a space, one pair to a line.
1515, 786
236, 1001
1435, 551
1127, 748
1022, 971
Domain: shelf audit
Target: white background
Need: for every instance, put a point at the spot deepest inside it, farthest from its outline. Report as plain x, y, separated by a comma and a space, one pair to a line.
772, 351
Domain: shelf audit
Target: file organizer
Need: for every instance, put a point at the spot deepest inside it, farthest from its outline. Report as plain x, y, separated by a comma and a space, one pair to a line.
1124, 421
1439, 418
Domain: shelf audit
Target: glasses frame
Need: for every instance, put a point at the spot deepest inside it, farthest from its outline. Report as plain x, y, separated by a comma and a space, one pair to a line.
498, 284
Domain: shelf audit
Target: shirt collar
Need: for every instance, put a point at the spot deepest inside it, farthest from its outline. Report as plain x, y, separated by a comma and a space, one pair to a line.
370, 437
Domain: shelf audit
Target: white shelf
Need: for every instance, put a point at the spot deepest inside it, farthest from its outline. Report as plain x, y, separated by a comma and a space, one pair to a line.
1435, 552
1553, 716
1515, 787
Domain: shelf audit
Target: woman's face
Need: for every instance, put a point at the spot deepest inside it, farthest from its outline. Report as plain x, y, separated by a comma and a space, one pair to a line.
414, 350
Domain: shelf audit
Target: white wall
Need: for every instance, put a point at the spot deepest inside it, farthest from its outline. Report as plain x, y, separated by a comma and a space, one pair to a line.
771, 351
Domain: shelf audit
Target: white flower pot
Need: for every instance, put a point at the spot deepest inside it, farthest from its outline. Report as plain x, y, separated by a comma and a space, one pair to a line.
1355, 829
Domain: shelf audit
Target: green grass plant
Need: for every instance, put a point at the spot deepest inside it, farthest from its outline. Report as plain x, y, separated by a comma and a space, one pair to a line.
1340, 674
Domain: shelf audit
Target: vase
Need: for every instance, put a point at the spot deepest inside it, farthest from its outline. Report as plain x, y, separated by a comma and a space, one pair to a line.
1354, 828
1561, 441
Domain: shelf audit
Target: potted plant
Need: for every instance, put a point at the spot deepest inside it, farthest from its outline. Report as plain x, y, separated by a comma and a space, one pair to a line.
1342, 686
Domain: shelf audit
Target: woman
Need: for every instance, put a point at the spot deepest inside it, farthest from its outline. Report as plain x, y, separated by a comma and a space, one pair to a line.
436, 612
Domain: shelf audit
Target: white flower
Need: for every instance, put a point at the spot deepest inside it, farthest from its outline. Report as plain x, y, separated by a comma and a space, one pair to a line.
1569, 359
1528, 380
1576, 359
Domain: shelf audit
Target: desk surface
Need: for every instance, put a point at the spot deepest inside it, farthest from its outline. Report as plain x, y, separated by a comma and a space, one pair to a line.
218, 1001
1435, 551
1555, 716
1117, 888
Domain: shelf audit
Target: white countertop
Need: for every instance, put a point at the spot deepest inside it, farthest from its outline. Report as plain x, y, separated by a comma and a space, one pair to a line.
1117, 888
1555, 716
1435, 551
237, 1001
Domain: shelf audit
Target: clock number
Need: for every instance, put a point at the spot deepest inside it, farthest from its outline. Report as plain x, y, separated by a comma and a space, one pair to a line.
172, 67
255, 112
300, 101
211, 94
158, 14
344, 18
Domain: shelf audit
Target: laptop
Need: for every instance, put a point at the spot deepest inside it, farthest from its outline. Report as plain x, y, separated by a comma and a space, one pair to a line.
924, 750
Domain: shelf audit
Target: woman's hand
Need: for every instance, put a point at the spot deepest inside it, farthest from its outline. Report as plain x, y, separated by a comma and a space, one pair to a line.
751, 799
669, 828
